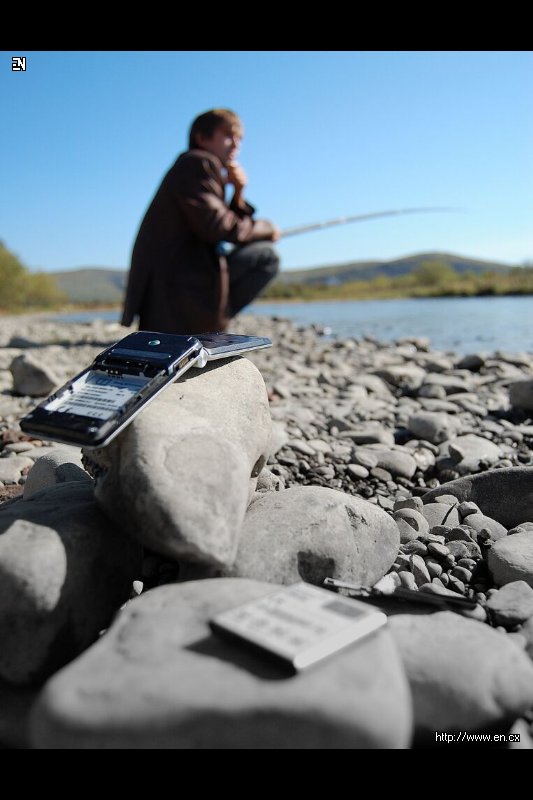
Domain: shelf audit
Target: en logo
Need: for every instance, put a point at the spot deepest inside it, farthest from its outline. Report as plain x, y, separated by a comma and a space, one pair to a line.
18, 64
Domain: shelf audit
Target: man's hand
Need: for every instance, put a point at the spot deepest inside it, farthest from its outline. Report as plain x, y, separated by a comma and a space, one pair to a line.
236, 176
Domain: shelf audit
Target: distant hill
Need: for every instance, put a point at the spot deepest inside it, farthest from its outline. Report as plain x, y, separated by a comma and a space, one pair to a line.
367, 270
92, 284
101, 285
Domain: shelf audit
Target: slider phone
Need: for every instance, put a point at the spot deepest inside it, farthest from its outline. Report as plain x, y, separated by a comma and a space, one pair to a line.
92, 408
226, 345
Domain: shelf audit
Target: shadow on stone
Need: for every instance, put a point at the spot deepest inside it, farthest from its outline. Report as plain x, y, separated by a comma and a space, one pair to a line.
313, 568
15, 707
243, 655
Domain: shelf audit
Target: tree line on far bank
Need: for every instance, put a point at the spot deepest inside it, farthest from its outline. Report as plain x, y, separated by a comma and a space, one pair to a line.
432, 278
21, 290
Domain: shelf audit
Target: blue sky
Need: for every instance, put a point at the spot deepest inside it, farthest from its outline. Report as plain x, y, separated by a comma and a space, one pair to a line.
87, 137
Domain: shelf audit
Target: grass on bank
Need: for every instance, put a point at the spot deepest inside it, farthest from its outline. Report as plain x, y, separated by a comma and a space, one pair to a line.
430, 279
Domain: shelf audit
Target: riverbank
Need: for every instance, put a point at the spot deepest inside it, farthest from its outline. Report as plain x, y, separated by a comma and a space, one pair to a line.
377, 423
462, 326
381, 384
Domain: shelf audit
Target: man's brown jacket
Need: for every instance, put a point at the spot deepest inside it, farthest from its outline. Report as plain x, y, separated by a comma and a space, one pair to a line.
177, 281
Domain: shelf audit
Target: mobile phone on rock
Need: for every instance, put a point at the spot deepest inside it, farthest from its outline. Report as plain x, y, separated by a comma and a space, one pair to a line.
93, 407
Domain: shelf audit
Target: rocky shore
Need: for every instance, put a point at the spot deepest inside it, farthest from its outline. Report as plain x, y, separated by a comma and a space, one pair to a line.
387, 464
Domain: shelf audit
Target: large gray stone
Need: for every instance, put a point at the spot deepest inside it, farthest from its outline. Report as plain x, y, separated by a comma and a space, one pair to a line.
64, 571
464, 675
451, 383
310, 533
432, 390
279, 437
59, 466
15, 706
527, 632
405, 376
267, 481
511, 559
435, 426
159, 679
411, 523
472, 362
31, 376
506, 495
368, 433
512, 604
434, 405
518, 359
424, 458
50, 450
420, 342
373, 384
522, 739
180, 476
521, 394
469, 450
397, 461
440, 514
488, 527
11, 468
434, 362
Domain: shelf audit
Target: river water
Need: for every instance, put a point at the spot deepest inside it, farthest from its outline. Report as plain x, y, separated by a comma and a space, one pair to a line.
461, 324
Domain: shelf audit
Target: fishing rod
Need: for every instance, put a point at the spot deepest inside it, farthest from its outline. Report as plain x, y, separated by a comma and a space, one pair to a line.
357, 218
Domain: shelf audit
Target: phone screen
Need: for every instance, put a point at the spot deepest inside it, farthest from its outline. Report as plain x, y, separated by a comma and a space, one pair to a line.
97, 395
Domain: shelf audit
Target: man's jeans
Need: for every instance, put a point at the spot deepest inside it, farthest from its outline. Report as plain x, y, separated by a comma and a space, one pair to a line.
251, 267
